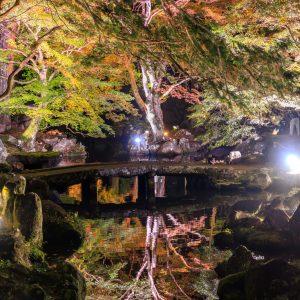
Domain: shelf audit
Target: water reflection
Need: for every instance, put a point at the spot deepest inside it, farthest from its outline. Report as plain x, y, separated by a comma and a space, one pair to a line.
166, 189
156, 256
120, 190
167, 252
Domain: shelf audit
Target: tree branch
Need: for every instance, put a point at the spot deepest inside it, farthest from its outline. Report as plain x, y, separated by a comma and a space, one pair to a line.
171, 88
145, 80
25, 82
139, 100
297, 44
11, 77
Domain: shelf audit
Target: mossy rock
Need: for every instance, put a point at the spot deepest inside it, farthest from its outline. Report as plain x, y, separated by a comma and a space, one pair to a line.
12, 248
269, 241
241, 234
224, 240
36, 160
63, 234
273, 280
231, 287
39, 187
63, 281
5, 168
28, 217
241, 260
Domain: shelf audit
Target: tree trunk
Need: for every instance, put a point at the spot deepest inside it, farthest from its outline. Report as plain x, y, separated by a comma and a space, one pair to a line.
151, 79
30, 133
3, 66
154, 116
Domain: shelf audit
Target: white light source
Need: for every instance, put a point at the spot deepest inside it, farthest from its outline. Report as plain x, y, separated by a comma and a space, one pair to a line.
293, 162
137, 140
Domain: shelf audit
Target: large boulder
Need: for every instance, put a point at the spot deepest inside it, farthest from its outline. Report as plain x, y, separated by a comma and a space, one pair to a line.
5, 123
258, 181
12, 248
295, 227
242, 219
63, 281
11, 188
36, 160
188, 146
253, 145
224, 240
65, 145
39, 187
268, 240
13, 141
276, 219
28, 217
183, 134
220, 153
275, 279
3, 152
241, 260
169, 149
5, 167
62, 234
8, 198
250, 206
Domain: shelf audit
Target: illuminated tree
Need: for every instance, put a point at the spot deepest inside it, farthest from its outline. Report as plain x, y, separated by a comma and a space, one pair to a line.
55, 84
182, 40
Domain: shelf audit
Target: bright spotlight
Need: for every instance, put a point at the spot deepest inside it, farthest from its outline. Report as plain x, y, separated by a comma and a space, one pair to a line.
293, 163
137, 140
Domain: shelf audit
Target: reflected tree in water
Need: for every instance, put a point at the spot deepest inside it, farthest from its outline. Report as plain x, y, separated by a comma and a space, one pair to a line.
154, 257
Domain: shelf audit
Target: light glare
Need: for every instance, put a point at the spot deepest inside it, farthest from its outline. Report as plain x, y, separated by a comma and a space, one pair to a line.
293, 163
137, 140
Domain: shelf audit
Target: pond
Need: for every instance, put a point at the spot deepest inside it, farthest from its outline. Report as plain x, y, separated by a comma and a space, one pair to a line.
146, 253
165, 251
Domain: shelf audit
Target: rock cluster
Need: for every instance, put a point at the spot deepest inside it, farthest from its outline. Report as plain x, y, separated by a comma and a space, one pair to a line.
269, 228
30, 231
242, 277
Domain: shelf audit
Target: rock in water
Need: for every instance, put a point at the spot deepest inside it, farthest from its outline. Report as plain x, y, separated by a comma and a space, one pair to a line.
276, 219
241, 260
260, 181
61, 282
250, 206
3, 152
295, 227
28, 217
36, 160
61, 235
275, 279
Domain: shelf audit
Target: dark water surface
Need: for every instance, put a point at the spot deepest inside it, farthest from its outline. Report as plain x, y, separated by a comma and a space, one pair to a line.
164, 251
150, 252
